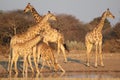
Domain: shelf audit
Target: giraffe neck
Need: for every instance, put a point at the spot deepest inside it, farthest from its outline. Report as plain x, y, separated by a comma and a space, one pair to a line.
36, 16
44, 20
101, 24
33, 41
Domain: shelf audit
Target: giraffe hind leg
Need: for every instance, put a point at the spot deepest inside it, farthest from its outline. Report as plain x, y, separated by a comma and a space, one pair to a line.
63, 51
89, 47
96, 55
100, 53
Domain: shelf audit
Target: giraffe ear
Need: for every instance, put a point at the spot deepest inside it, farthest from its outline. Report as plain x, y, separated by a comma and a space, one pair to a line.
48, 11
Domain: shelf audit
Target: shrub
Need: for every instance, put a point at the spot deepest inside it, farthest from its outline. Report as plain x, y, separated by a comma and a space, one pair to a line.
75, 45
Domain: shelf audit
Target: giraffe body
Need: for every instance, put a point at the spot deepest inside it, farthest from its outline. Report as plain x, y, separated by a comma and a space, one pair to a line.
24, 50
53, 35
47, 56
94, 37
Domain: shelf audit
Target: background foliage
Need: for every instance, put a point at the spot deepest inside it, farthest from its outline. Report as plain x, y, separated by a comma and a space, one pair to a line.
16, 22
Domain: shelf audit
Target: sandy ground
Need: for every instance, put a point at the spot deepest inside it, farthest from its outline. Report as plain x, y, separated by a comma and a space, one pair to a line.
77, 63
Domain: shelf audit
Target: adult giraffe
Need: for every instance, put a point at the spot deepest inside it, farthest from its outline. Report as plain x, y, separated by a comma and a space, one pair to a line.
24, 50
94, 37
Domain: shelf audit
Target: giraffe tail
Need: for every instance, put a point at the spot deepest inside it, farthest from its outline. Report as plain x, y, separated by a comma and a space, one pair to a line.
66, 48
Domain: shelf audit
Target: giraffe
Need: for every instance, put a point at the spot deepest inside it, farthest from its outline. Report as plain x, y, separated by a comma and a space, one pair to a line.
94, 37
35, 14
37, 29
24, 50
55, 36
46, 53
52, 35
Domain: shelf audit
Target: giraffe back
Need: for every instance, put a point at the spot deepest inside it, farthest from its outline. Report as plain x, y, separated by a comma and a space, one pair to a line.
52, 35
27, 46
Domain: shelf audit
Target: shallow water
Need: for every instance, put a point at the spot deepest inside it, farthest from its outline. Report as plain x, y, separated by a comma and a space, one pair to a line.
65, 75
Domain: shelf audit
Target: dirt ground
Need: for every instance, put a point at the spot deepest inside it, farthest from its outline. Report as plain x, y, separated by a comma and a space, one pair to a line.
77, 63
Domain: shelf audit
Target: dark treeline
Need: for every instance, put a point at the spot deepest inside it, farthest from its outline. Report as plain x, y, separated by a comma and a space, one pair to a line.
16, 22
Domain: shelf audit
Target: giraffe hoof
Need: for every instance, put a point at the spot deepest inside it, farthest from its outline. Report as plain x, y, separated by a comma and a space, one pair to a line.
65, 61
88, 65
38, 72
102, 65
96, 66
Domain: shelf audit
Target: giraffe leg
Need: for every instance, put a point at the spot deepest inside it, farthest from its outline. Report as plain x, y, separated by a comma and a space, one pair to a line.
26, 64
10, 55
38, 55
23, 65
100, 53
58, 48
29, 60
96, 55
43, 63
35, 61
63, 51
15, 61
60, 68
49, 64
89, 47
45, 41
12, 62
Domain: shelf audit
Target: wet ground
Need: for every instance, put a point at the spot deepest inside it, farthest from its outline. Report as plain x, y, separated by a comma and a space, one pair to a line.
66, 75
75, 67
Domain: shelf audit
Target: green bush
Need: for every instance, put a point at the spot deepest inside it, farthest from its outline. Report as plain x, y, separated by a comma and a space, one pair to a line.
74, 45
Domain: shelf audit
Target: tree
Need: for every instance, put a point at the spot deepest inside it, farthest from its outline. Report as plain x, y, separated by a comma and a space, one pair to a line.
12, 23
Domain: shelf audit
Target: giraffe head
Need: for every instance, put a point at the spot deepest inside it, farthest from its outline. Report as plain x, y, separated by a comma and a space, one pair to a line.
50, 16
109, 14
28, 8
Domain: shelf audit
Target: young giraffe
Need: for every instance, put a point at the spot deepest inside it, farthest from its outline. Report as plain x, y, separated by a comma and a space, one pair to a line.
23, 50
35, 14
31, 33
51, 35
95, 37
46, 53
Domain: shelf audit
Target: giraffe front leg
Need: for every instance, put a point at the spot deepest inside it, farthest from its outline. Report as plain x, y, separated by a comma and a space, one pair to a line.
45, 41
38, 55
60, 67
15, 61
58, 48
29, 60
11, 64
43, 63
35, 60
24, 64
100, 53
